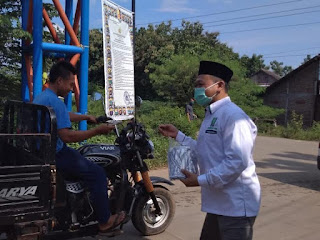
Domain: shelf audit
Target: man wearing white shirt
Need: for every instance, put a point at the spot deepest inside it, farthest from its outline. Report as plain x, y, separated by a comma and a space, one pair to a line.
230, 188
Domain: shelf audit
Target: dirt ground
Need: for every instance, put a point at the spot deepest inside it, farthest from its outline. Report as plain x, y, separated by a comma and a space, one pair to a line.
290, 207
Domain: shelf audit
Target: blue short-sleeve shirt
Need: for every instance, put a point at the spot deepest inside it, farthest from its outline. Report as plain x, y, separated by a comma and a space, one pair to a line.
50, 99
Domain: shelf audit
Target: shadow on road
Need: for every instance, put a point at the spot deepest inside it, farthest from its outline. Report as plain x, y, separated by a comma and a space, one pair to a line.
280, 164
296, 155
129, 233
300, 179
289, 161
296, 171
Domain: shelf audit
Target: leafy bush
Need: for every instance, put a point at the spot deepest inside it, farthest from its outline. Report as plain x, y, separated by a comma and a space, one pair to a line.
162, 115
174, 115
148, 107
295, 130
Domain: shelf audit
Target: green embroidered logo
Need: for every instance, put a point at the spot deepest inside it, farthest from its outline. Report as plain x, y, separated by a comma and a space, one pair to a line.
213, 122
211, 129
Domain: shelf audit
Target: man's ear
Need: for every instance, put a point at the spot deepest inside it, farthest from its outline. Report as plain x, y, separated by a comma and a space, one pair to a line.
221, 84
59, 80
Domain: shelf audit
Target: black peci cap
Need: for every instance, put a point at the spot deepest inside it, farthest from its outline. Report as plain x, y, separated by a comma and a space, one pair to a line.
215, 69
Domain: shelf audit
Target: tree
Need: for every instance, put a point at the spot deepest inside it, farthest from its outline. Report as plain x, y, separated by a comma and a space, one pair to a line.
286, 70
191, 39
278, 68
173, 80
156, 45
249, 96
152, 46
253, 64
306, 59
96, 60
11, 34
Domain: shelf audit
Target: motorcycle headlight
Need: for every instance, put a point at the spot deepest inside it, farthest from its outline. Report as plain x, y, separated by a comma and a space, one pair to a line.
151, 146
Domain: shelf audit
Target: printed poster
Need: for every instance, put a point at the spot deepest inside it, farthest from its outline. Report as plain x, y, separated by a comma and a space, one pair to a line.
118, 61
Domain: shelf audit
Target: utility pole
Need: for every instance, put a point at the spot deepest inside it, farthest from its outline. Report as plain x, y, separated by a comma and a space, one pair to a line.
134, 23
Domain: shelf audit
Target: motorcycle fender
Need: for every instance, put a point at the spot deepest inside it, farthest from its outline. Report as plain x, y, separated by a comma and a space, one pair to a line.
161, 180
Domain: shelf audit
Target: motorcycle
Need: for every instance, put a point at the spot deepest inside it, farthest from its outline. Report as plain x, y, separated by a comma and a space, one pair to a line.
146, 200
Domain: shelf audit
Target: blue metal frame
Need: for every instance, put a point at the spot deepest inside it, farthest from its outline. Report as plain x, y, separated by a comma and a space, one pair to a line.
69, 13
61, 48
39, 48
84, 61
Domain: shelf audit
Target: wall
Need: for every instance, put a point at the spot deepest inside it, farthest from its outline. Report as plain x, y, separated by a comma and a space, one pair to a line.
296, 92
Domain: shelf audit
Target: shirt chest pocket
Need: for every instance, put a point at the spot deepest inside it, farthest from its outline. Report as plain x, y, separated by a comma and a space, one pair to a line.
211, 130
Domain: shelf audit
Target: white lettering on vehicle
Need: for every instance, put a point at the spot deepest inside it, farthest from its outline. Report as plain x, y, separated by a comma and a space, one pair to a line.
106, 148
19, 191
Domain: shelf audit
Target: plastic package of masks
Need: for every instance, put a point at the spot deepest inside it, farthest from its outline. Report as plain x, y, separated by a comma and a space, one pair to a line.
180, 157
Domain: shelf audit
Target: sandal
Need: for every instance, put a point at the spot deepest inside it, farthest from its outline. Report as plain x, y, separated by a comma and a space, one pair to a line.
111, 231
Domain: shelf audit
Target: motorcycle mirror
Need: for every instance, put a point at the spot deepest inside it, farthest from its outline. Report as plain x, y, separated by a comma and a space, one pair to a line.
138, 101
96, 96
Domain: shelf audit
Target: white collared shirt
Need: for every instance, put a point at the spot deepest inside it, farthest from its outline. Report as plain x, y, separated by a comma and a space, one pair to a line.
229, 183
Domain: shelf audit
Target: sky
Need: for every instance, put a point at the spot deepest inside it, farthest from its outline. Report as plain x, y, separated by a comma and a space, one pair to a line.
282, 30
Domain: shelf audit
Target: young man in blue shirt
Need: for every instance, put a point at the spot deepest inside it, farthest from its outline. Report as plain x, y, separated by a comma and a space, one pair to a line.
68, 160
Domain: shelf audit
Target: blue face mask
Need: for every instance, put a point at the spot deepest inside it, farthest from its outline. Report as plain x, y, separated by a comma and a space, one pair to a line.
201, 97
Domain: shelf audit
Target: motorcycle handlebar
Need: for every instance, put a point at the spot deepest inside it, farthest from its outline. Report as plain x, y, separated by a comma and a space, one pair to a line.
103, 119
126, 129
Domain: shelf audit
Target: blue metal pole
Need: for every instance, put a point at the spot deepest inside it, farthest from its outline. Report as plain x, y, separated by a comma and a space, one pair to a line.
69, 13
84, 61
55, 47
37, 47
24, 87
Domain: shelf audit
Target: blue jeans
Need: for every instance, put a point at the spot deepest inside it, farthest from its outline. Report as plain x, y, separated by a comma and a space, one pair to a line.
71, 162
217, 227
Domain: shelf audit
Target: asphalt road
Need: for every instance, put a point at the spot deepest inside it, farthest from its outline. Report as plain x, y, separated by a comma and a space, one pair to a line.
290, 208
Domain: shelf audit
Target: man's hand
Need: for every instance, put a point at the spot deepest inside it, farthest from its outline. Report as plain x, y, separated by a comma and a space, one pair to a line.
91, 119
69, 136
74, 117
168, 130
104, 128
191, 178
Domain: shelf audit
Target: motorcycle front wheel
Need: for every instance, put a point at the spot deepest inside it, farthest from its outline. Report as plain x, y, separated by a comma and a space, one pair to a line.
144, 218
